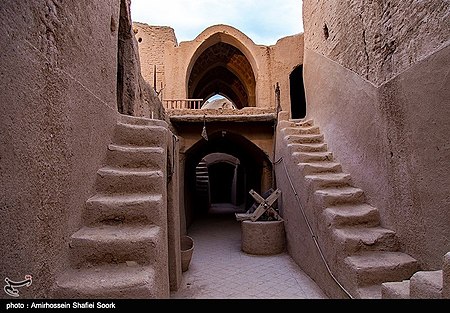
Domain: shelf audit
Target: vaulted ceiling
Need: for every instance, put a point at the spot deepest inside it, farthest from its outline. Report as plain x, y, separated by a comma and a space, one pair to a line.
223, 69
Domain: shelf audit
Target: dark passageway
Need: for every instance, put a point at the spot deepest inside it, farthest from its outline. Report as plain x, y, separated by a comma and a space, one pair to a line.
239, 167
297, 93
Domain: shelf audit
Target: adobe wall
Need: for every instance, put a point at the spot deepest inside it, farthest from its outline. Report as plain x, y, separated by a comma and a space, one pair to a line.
58, 74
151, 42
376, 39
270, 64
134, 95
287, 54
378, 88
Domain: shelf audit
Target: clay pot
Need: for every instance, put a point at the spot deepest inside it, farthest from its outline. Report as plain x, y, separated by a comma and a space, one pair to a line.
187, 249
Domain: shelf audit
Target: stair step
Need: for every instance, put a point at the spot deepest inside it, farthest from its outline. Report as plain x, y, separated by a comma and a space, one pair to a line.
136, 156
351, 215
295, 123
313, 138
369, 292
115, 244
140, 135
119, 180
319, 167
375, 267
118, 281
145, 208
355, 239
395, 290
426, 285
283, 124
334, 196
311, 157
323, 180
300, 130
302, 122
307, 147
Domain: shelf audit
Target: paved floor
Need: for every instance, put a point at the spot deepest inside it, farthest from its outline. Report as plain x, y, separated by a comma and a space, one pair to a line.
219, 269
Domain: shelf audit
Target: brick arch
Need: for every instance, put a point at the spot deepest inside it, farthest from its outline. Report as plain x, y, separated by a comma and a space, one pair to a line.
222, 68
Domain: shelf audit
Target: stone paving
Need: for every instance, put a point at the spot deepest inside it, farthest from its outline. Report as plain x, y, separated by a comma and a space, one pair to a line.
219, 269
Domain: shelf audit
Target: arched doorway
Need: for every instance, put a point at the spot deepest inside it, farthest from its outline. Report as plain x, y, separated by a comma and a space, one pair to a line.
223, 69
222, 177
234, 166
297, 93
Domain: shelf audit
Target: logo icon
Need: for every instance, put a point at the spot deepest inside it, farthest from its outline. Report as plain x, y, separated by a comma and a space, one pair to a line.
10, 287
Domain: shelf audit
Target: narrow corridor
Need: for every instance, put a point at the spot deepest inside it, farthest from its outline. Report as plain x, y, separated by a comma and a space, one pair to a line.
220, 270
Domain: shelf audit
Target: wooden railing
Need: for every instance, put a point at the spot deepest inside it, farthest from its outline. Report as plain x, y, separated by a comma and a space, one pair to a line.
183, 103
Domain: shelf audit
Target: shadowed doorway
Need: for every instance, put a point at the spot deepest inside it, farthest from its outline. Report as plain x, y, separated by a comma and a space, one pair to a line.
297, 93
227, 167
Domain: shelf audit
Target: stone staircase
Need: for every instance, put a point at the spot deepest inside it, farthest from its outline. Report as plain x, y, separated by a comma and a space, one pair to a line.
361, 253
202, 195
422, 285
121, 251
202, 179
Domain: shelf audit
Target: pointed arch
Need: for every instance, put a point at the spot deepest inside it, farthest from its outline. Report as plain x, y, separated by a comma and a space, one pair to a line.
222, 64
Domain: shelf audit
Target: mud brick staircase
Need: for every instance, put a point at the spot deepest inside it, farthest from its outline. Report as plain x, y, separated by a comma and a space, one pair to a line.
422, 285
121, 250
362, 254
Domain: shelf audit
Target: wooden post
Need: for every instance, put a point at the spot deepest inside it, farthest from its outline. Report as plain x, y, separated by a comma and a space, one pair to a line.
154, 77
